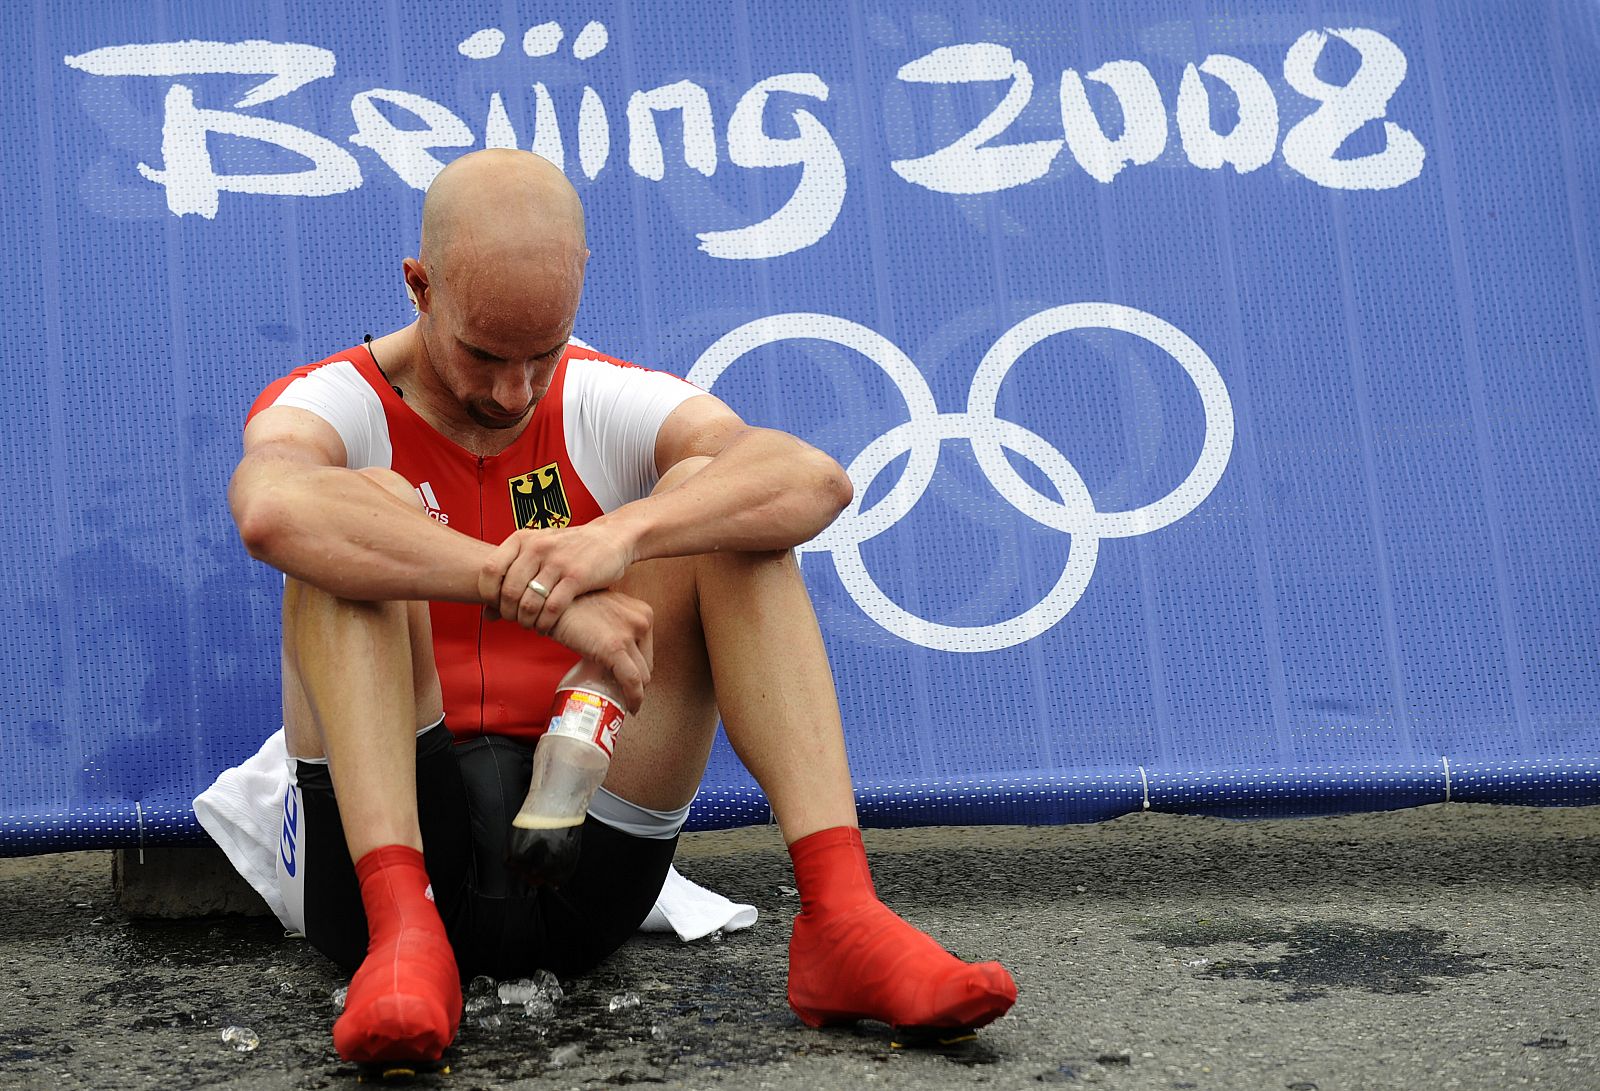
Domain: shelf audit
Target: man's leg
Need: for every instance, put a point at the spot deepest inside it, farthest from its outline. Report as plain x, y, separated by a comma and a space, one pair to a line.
736, 631
359, 683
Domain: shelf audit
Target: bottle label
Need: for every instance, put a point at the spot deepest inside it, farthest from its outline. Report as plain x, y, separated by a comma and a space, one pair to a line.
584, 714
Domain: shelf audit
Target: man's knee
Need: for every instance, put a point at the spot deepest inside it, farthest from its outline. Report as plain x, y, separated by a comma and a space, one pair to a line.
301, 599
661, 581
682, 471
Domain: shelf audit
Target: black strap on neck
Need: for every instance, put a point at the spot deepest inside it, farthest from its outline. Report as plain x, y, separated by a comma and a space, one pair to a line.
367, 342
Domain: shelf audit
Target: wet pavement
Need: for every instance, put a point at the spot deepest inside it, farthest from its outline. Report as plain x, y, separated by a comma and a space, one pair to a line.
1446, 947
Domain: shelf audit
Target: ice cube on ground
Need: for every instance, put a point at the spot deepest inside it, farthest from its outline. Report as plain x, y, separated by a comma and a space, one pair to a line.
242, 1039
542, 984
624, 1002
518, 992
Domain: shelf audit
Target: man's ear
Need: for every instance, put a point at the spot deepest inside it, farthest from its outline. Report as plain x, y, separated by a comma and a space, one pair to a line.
416, 281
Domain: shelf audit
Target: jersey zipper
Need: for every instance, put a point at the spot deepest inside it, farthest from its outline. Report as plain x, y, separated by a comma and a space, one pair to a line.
483, 675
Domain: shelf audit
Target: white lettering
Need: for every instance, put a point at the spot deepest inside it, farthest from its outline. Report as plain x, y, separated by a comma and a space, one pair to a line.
484, 44
187, 172
591, 40
290, 64
974, 162
546, 129
811, 210
1310, 146
406, 151
699, 131
1254, 137
968, 165
594, 133
192, 182
498, 131
1144, 119
542, 40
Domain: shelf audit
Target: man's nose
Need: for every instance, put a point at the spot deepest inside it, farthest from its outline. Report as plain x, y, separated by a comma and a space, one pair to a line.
513, 388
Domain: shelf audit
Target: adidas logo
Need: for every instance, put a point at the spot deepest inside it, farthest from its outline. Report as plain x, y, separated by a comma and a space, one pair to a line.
431, 502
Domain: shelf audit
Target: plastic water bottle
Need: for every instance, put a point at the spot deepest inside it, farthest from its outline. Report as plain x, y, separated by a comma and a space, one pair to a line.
569, 763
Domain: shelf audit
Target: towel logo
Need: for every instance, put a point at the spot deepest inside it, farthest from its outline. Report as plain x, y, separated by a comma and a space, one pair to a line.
289, 841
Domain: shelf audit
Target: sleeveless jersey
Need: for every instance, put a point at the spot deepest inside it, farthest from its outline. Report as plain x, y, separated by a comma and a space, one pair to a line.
589, 448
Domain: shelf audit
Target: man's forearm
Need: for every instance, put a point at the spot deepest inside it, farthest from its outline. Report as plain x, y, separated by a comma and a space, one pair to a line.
764, 491
348, 535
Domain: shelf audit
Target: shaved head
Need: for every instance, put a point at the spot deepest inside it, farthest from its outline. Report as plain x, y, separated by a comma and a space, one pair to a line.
499, 202
497, 283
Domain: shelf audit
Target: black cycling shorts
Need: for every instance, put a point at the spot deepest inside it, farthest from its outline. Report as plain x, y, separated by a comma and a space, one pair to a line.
467, 795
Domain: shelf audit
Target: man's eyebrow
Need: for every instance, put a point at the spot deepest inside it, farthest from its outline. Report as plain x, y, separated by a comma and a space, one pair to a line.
470, 347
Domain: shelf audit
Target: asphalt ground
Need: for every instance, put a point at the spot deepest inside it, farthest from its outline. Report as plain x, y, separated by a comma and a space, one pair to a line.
1445, 947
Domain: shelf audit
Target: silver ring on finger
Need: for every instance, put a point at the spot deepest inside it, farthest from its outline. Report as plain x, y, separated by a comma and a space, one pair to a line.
539, 589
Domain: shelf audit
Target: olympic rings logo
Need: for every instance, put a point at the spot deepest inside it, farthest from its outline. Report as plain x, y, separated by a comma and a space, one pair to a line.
925, 432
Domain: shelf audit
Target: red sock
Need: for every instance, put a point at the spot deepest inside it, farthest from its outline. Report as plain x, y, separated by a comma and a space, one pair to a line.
851, 958
405, 1001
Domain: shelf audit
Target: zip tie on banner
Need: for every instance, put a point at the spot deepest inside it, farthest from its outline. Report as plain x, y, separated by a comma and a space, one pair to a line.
139, 810
1144, 781
1446, 761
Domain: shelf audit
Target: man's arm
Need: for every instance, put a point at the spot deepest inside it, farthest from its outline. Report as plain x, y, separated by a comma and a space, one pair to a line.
301, 511
761, 490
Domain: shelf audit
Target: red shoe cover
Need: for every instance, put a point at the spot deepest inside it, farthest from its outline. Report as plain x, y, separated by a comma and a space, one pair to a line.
404, 1002
851, 958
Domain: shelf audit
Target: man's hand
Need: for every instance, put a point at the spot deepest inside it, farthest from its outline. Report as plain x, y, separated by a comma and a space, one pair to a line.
614, 630
567, 563
576, 567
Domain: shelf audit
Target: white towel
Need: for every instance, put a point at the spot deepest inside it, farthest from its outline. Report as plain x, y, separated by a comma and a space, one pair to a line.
692, 911
243, 813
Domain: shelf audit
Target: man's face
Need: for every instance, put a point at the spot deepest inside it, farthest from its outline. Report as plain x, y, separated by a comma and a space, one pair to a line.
494, 333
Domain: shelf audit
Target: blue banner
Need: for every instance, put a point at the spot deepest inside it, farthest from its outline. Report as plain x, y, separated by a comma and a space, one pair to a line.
1220, 380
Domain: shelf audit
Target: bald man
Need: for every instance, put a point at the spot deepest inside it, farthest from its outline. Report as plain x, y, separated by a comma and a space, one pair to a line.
462, 509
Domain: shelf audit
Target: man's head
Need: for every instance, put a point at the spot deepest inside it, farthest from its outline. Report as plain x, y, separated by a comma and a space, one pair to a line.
498, 281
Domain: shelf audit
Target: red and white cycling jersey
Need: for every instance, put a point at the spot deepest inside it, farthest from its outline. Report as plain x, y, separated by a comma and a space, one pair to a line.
589, 448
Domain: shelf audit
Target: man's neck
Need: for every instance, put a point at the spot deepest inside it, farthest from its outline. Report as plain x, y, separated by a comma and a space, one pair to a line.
401, 356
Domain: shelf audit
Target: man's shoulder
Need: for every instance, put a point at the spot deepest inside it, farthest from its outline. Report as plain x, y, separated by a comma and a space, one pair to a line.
595, 369
349, 360
581, 351
351, 356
